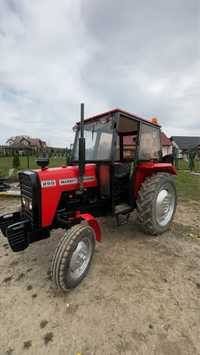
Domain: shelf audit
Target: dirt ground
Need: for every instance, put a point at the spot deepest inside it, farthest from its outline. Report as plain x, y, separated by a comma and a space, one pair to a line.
141, 296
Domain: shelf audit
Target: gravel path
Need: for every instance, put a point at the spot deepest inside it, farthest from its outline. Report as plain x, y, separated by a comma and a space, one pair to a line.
141, 296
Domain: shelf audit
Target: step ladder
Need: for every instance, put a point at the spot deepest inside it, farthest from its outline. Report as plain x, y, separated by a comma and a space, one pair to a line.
122, 213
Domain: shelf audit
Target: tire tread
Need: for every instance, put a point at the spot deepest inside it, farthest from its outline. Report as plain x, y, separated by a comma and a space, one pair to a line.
145, 201
62, 252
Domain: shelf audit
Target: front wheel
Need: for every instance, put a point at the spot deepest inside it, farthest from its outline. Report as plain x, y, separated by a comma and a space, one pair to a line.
156, 203
72, 258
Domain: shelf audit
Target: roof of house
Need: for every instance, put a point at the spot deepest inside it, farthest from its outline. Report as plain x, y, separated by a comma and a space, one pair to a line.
186, 142
165, 140
17, 140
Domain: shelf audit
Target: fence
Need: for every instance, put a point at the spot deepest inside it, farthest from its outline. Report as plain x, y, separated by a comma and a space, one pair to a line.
28, 162
22, 150
182, 164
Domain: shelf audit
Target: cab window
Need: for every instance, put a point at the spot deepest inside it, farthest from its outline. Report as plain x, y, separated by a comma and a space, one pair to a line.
150, 146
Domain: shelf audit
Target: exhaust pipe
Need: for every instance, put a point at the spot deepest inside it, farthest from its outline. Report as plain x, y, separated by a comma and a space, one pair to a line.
81, 149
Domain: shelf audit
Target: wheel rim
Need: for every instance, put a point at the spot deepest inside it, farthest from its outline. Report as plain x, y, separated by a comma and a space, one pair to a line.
80, 258
165, 204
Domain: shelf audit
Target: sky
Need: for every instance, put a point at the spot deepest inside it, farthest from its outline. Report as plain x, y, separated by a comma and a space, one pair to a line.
141, 56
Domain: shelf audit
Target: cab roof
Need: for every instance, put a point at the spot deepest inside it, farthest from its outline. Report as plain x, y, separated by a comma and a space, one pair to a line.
122, 113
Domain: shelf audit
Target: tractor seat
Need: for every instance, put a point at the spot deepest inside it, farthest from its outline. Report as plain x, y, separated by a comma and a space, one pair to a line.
121, 170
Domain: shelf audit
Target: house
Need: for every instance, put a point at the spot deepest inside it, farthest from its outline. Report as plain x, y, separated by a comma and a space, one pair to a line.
184, 144
130, 145
25, 143
166, 144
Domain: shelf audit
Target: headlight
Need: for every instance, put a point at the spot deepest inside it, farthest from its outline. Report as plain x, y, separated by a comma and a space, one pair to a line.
27, 204
30, 206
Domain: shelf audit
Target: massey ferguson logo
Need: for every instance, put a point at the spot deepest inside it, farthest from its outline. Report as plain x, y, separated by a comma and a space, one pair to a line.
48, 183
68, 181
71, 181
89, 178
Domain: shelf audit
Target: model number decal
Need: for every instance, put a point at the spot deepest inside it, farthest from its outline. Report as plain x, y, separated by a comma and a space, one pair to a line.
48, 183
89, 178
70, 181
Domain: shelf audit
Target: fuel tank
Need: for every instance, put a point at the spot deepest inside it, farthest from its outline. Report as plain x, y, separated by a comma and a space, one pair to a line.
55, 181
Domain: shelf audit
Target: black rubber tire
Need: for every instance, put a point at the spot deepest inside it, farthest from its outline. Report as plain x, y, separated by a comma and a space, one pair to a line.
146, 207
63, 253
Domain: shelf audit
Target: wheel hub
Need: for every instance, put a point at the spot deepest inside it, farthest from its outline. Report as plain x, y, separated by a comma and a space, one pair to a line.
80, 258
165, 204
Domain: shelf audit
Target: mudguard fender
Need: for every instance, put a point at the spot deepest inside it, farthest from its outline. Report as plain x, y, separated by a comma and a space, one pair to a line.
93, 224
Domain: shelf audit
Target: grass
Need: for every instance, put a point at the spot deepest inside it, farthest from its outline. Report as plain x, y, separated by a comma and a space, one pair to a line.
184, 165
6, 163
188, 185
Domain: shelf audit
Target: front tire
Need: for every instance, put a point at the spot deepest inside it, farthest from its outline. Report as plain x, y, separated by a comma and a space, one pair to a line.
156, 203
73, 256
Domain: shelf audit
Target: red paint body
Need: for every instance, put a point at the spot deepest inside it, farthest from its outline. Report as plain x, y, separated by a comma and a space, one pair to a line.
50, 195
93, 224
146, 169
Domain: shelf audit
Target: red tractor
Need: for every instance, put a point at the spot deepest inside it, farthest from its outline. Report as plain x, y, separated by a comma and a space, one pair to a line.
116, 166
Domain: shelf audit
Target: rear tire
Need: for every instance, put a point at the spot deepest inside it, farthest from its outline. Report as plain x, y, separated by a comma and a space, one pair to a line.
156, 203
73, 256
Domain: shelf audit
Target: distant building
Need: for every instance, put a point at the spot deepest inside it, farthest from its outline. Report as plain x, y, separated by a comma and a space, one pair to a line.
25, 143
166, 144
184, 144
130, 145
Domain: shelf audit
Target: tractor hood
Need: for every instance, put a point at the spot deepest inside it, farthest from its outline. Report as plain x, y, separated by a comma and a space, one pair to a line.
66, 178
55, 181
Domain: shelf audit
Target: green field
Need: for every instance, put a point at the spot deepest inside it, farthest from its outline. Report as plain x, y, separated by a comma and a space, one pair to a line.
6, 163
188, 185
182, 164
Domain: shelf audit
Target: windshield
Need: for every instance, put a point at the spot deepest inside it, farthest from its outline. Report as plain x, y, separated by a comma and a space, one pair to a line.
98, 139
150, 148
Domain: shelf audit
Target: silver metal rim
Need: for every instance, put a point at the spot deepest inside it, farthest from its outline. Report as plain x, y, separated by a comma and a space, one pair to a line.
165, 204
80, 258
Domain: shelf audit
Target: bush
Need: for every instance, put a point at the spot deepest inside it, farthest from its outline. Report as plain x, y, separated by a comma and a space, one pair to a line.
16, 162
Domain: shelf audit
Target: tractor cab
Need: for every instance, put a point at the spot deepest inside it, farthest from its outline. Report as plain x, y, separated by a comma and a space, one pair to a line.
116, 142
117, 136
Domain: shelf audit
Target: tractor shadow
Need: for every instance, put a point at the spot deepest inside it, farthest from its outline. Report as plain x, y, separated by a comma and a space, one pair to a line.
131, 230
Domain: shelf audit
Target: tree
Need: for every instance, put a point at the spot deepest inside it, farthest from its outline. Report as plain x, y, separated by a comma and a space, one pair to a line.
16, 162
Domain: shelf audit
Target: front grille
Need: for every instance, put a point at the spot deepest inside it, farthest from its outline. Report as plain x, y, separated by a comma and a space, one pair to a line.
26, 185
31, 192
26, 193
17, 235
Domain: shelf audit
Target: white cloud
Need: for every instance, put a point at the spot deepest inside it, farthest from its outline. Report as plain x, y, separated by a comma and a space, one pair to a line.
41, 60
54, 54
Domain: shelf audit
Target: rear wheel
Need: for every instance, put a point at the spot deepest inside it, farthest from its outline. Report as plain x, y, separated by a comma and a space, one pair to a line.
73, 256
156, 203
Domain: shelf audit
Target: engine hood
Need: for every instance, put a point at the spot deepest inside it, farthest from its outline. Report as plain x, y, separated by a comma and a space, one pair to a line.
67, 177
55, 181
